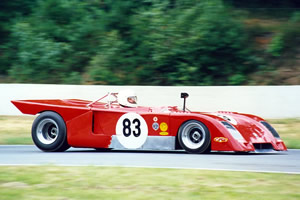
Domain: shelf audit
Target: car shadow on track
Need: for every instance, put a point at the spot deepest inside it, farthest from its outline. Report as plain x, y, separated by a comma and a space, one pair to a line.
74, 150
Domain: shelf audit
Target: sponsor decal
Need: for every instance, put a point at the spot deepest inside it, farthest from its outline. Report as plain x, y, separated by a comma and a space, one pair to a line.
155, 126
155, 119
163, 126
220, 139
132, 130
163, 133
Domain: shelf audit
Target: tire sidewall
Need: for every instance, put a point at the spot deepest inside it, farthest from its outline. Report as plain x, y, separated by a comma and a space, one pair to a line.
62, 133
207, 139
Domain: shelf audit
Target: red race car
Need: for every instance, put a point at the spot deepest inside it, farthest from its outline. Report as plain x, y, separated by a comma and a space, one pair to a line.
118, 123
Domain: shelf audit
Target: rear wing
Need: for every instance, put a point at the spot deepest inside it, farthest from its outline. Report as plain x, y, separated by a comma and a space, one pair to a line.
68, 109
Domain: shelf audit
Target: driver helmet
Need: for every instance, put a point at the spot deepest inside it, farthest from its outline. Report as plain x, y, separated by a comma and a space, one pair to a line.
127, 98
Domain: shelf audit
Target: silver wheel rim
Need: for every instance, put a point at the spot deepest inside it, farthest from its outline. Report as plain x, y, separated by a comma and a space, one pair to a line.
47, 131
193, 135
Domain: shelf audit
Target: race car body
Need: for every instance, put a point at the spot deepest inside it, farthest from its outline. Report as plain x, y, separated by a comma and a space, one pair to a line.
109, 125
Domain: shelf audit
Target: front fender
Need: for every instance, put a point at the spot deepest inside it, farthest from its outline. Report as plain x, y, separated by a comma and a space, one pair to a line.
221, 139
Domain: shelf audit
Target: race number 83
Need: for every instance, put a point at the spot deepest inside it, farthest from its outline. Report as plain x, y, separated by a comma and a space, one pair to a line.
132, 130
127, 127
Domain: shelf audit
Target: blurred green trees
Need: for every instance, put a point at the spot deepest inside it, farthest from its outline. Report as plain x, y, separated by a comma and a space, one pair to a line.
55, 43
137, 42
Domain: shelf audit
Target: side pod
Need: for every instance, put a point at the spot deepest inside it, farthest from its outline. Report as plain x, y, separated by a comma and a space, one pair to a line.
80, 133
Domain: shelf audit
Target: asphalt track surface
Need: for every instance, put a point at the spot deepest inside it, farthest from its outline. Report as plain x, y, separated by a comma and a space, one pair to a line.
281, 162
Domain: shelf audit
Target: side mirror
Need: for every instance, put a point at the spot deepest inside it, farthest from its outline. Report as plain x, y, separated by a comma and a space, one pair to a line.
184, 95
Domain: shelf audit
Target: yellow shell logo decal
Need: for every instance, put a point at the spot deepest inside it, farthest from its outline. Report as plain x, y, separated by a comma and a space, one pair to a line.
163, 126
220, 139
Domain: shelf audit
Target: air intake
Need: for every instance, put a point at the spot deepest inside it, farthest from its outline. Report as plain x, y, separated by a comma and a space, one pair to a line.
262, 146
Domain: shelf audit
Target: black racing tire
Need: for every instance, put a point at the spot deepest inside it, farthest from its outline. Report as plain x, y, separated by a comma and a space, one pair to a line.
49, 132
194, 137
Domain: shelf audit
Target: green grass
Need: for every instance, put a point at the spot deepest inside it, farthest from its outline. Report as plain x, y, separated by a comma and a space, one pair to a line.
289, 131
72, 183
17, 130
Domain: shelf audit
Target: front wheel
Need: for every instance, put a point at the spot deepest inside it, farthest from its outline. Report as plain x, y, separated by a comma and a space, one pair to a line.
194, 137
49, 132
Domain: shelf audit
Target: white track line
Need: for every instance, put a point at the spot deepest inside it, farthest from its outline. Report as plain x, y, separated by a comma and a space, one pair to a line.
155, 167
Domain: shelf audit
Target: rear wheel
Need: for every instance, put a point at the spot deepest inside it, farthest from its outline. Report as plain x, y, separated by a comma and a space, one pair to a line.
49, 132
194, 137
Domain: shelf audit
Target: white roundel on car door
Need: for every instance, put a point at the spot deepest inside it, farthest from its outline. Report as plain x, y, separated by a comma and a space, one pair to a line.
132, 130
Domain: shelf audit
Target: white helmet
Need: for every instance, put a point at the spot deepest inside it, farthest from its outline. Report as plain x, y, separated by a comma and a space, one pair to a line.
127, 98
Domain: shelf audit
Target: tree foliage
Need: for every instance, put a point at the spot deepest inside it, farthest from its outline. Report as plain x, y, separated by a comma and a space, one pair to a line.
194, 45
157, 42
55, 41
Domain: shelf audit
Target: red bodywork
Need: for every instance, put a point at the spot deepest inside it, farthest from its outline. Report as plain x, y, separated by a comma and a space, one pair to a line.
93, 126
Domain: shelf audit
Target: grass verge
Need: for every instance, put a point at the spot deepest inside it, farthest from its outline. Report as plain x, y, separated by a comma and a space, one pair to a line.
72, 183
17, 130
289, 131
